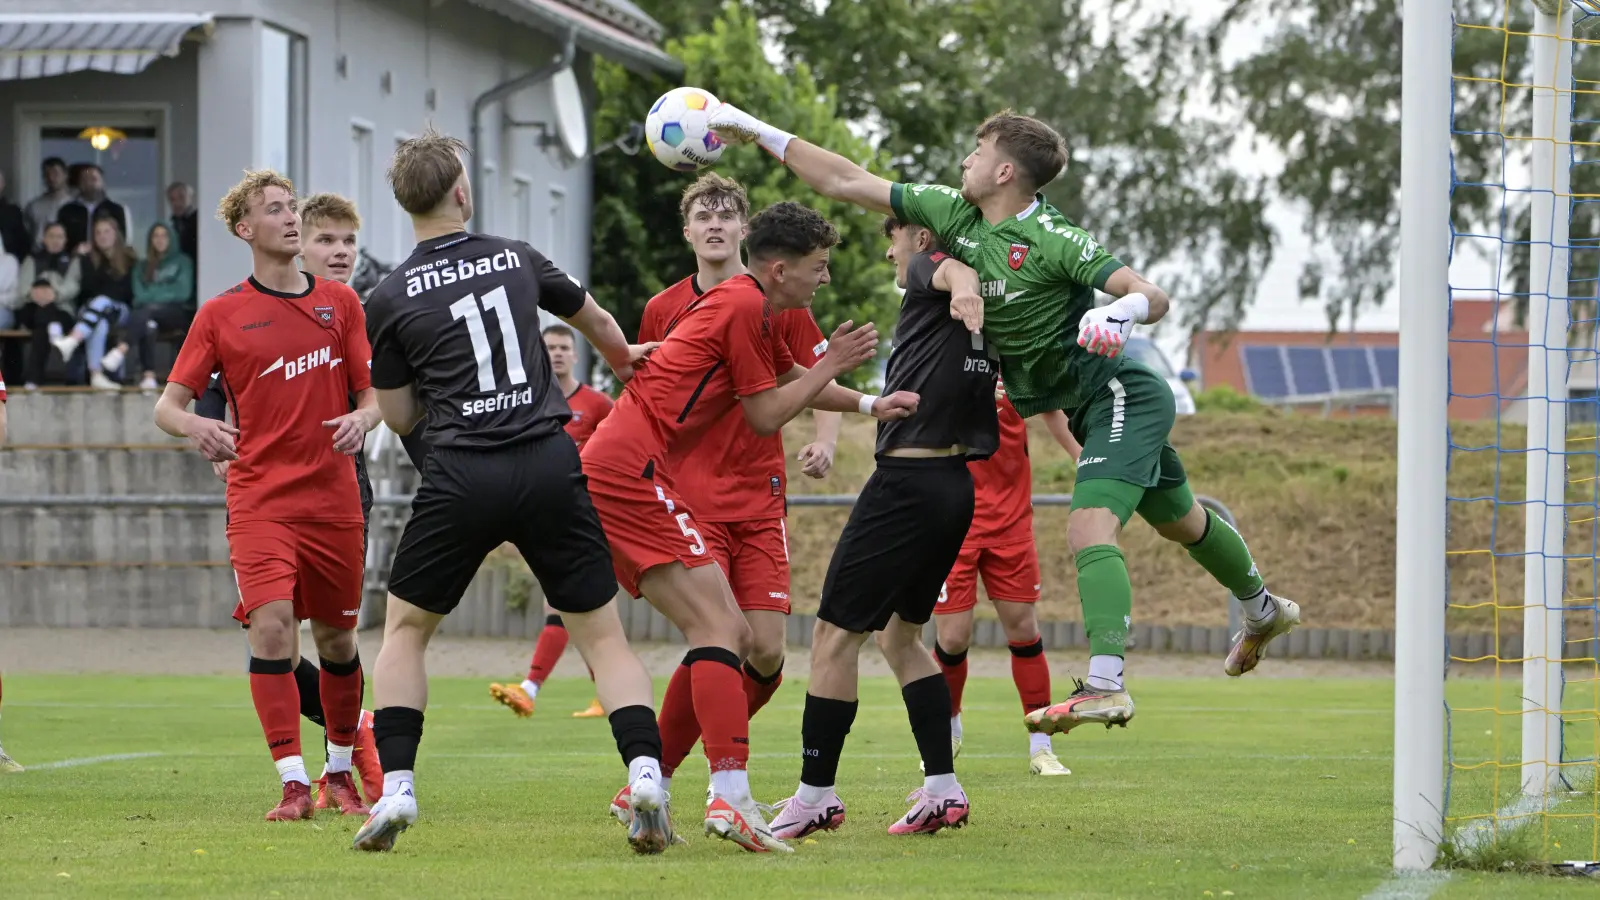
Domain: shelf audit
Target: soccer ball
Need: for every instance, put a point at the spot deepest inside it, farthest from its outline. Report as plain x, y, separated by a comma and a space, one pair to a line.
676, 133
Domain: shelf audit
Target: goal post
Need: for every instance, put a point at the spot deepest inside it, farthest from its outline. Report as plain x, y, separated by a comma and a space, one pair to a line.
1423, 451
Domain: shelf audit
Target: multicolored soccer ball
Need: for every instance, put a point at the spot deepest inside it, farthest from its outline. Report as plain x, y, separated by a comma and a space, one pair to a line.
675, 130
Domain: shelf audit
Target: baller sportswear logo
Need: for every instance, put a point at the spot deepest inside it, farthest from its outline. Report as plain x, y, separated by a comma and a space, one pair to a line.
443, 272
251, 326
967, 243
302, 364
1019, 252
1091, 461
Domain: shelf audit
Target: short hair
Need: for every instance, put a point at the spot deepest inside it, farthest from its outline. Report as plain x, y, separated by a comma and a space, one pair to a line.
235, 204
42, 282
1038, 150
890, 223
327, 208
789, 230
186, 186
559, 330
53, 161
715, 192
424, 169
76, 172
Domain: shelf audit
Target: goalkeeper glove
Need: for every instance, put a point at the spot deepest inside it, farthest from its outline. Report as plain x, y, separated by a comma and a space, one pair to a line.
1103, 331
735, 126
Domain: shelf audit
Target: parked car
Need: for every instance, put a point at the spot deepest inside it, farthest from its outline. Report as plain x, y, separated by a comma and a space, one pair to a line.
1145, 350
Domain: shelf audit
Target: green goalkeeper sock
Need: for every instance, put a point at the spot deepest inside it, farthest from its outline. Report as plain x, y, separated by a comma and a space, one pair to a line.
1107, 598
1221, 551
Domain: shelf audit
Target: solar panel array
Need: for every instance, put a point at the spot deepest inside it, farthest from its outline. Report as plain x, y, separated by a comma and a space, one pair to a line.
1277, 371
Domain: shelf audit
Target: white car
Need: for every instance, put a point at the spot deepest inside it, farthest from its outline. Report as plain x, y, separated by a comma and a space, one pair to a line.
1144, 350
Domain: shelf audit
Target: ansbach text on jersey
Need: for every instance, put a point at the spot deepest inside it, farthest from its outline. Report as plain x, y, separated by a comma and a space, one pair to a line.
445, 272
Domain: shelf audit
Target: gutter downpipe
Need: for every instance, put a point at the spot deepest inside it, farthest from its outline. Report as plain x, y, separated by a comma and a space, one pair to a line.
569, 52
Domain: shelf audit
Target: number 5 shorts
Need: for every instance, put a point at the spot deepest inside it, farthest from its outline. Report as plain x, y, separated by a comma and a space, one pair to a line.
646, 523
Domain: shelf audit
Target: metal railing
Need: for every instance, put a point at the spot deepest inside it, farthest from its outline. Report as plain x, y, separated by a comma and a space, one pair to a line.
219, 501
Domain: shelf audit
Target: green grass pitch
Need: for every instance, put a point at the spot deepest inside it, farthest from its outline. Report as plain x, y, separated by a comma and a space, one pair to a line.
1252, 788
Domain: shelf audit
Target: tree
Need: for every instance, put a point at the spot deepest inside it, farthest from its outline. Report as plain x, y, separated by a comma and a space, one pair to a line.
637, 233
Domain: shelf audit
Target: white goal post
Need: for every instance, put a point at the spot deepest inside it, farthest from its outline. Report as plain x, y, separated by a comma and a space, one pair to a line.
1421, 492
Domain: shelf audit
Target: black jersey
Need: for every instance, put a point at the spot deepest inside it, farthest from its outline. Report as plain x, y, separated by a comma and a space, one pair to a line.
952, 369
460, 318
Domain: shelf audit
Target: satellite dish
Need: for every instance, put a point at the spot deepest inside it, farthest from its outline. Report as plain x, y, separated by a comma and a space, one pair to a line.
572, 121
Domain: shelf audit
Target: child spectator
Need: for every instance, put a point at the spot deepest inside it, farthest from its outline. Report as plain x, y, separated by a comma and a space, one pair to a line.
48, 317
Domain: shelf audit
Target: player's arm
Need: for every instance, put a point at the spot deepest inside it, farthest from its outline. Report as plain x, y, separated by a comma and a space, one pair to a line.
399, 408
1126, 285
605, 335
769, 408
960, 281
196, 362
350, 430
1056, 421
828, 173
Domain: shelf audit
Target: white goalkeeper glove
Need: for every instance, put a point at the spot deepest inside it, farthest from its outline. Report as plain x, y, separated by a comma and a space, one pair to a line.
735, 126
1104, 330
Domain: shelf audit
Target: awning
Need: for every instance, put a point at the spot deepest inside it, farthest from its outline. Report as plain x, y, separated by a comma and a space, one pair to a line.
595, 34
39, 45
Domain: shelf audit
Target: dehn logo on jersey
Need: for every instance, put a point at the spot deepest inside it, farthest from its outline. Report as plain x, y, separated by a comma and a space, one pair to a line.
439, 273
300, 365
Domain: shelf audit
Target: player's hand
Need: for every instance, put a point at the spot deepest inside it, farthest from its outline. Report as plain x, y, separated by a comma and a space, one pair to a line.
967, 308
898, 405
816, 458
849, 347
349, 432
1104, 331
213, 439
733, 125
220, 469
638, 354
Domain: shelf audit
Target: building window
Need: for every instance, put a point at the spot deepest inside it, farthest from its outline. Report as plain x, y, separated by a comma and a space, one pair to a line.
484, 217
522, 206
558, 246
281, 107
361, 167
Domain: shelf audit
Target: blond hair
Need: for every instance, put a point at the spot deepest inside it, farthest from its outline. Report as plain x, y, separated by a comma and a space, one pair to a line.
328, 208
424, 169
235, 204
715, 192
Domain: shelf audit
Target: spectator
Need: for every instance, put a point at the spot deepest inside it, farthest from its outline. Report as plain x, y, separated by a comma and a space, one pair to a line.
163, 298
15, 238
10, 292
48, 317
56, 262
108, 283
43, 209
90, 204
185, 218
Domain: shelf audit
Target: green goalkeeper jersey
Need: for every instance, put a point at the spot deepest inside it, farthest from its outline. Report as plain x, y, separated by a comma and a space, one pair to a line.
1039, 274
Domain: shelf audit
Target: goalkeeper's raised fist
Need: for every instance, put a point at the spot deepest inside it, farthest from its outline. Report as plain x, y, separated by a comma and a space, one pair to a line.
735, 126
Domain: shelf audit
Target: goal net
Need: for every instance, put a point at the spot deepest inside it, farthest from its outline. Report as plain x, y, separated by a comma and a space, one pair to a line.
1499, 473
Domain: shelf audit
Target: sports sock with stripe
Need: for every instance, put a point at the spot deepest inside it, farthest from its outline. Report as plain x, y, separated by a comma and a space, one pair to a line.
722, 710
1031, 673
954, 667
340, 687
1221, 551
277, 702
1107, 598
547, 650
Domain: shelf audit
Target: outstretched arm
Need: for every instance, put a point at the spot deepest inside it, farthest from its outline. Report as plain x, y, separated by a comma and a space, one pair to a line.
606, 336
828, 173
1125, 282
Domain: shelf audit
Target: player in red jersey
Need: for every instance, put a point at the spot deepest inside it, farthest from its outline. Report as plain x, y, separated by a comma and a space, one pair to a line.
7, 764
722, 352
589, 408
291, 349
999, 546
734, 478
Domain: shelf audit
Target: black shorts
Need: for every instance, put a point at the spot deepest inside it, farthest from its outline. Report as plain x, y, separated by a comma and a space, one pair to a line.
532, 495
903, 537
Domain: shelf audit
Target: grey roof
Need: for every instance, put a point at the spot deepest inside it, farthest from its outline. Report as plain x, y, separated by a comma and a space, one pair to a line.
602, 28
625, 13
39, 45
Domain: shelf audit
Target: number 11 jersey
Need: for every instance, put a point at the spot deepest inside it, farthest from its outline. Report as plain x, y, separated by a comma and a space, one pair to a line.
460, 318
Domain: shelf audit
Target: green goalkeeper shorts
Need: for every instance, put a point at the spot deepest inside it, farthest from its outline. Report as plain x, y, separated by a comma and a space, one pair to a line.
1124, 429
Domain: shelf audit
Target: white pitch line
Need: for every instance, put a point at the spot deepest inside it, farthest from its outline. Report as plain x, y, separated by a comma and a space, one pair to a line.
88, 761
1409, 886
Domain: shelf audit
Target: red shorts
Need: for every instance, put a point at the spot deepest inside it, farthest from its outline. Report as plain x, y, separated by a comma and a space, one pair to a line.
646, 523
755, 557
1010, 572
317, 565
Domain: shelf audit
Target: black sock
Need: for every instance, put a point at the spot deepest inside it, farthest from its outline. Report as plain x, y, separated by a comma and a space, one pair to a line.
759, 678
636, 732
309, 679
822, 733
947, 659
928, 706
397, 730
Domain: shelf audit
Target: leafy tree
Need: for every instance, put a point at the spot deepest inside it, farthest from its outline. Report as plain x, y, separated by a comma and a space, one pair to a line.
638, 242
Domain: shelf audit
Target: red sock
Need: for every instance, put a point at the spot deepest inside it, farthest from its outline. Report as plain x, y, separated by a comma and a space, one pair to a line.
1031, 673
757, 691
954, 667
721, 707
679, 727
547, 652
340, 687
277, 699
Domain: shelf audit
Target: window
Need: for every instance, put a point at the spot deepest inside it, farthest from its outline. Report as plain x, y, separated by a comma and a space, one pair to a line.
522, 206
281, 107
556, 244
361, 167
483, 217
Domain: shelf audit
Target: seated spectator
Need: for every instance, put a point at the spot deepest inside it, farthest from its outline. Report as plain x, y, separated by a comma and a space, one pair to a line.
43, 209
163, 298
185, 218
10, 292
15, 239
55, 262
48, 317
108, 285
90, 204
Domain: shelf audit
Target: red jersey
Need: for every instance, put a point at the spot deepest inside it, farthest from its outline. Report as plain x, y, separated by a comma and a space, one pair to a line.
732, 474
1002, 486
287, 363
720, 348
589, 409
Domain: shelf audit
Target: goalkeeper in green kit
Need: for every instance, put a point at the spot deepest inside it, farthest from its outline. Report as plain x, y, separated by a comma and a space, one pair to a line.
1039, 275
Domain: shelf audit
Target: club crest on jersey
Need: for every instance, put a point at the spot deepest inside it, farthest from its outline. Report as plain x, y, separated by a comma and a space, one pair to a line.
1019, 252
324, 314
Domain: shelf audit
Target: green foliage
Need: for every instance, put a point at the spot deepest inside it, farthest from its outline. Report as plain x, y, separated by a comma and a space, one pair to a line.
638, 233
1224, 399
